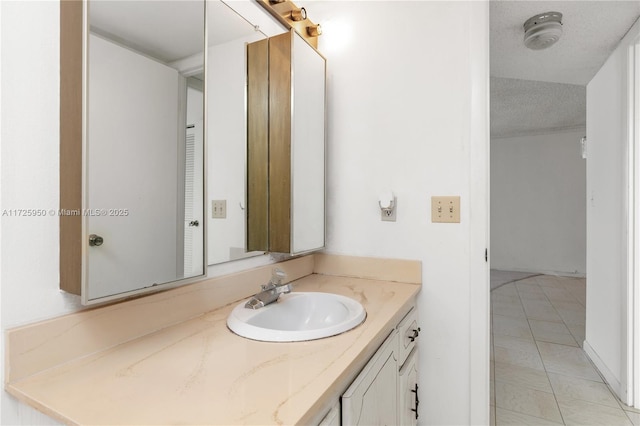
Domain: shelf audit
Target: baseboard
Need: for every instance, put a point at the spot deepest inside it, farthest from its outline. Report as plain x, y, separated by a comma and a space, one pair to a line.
609, 377
574, 274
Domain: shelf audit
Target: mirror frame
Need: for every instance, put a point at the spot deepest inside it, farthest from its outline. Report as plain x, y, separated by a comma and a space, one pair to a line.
74, 35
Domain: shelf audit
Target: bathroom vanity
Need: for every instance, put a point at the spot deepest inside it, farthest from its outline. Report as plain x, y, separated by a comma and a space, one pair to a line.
169, 358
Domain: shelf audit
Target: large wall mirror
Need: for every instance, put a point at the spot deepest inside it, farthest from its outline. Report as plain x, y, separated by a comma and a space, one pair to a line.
153, 155
144, 144
137, 221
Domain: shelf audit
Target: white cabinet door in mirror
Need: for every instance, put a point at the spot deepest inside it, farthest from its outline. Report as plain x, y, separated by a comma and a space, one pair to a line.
307, 147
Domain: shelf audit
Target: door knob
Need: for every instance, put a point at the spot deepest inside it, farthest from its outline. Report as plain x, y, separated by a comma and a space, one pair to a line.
95, 240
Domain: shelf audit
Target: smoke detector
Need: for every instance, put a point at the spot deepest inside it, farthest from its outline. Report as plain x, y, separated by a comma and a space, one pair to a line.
542, 30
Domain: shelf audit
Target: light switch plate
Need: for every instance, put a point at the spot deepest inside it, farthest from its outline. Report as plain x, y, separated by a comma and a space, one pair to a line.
219, 209
445, 209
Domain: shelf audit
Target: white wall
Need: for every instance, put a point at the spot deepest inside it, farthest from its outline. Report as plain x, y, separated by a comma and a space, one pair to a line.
607, 232
538, 207
407, 110
30, 167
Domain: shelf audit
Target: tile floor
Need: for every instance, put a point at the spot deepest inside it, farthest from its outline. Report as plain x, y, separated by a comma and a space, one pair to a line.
539, 373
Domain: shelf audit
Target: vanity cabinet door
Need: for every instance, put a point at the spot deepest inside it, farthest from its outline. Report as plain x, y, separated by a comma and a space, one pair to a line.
372, 399
408, 398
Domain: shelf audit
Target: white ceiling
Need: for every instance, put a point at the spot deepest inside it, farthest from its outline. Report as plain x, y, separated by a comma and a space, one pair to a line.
168, 30
525, 107
591, 31
148, 26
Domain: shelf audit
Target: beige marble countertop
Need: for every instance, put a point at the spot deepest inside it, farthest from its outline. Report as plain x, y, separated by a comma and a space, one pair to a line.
199, 372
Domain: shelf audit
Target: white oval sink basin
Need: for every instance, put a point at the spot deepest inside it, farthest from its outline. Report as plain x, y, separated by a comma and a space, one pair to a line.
297, 316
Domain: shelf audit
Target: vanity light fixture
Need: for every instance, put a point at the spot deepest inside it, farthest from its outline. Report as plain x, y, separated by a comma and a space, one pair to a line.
314, 30
292, 16
299, 14
543, 30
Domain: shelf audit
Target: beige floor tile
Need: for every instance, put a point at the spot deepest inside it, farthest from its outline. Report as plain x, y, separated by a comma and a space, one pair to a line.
507, 290
522, 376
514, 343
575, 412
529, 287
540, 310
509, 326
579, 297
511, 418
508, 309
527, 401
567, 360
505, 298
518, 357
557, 294
566, 387
569, 306
577, 331
528, 376
526, 295
548, 281
572, 317
553, 332
634, 417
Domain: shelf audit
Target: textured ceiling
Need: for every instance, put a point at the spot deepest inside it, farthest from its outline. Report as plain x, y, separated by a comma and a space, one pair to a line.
524, 107
537, 91
591, 30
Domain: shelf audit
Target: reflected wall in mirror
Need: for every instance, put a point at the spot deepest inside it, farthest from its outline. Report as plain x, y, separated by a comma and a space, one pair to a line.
286, 145
228, 35
143, 148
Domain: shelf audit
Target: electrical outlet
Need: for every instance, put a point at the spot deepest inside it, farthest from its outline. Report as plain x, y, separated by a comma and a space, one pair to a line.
219, 209
445, 209
389, 215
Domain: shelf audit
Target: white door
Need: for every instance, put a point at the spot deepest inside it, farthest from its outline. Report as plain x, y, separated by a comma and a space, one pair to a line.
132, 201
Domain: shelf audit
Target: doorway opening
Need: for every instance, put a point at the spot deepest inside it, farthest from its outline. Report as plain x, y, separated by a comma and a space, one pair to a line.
541, 190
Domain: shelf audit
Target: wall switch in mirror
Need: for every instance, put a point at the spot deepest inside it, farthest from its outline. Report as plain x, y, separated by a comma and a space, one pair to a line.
219, 209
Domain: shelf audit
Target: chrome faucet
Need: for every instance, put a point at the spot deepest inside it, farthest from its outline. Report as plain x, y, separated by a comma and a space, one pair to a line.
271, 291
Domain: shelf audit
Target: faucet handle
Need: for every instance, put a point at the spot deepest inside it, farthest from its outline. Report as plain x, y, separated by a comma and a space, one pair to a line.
277, 275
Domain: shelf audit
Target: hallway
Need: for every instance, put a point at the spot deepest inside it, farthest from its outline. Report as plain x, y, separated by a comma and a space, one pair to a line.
539, 373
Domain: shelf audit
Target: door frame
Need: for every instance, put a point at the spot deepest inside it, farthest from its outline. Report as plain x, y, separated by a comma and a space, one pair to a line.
633, 226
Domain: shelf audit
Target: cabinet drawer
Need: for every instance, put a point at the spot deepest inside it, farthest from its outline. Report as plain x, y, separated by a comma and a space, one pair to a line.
408, 331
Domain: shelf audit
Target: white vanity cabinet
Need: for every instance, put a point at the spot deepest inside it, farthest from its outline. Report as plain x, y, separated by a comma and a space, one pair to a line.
372, 399
386, 391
